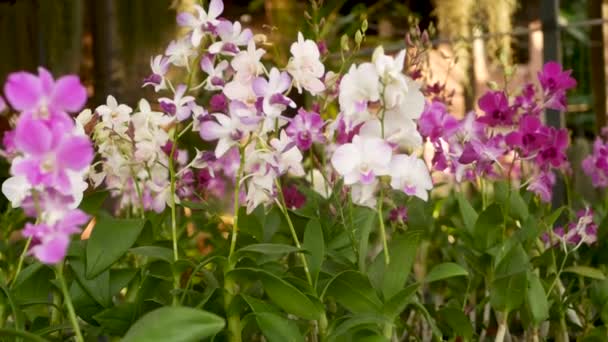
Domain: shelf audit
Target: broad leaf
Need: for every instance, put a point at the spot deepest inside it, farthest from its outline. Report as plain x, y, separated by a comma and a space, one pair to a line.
458, 322
444, 271
395, 305
354, 291
351, 324
110, 239
175, 324
277, 328
469, 215
98, 287
268, 249
315, 244
154, 252
288, 297
488, 228
536, 300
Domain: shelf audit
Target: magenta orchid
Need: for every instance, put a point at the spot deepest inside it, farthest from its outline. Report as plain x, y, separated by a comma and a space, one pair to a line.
306, 128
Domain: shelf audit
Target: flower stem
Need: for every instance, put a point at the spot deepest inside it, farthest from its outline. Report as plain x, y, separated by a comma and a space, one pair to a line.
387, 258
68, 303
22, 257
294, 235
174, 215
230, 288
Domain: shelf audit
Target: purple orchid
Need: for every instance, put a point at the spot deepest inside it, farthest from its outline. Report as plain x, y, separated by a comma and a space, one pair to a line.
496, 107
43, 97
435, 121
596, 164
555, 82
50, 241
306, 128
49, 153
528, 139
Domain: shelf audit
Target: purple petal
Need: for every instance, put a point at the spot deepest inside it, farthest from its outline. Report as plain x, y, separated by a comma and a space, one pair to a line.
23, 90
33, 136
53, 250
69, 94
75, 153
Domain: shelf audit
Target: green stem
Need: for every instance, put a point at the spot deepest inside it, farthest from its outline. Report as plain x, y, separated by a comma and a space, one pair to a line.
174, 216
387, 258
230, 288
557, 275
294, 235
68, 303
21, 258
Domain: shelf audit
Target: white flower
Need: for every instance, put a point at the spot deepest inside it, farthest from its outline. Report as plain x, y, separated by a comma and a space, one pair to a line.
305, 66
247, 63
114, 116
179, 51
215, 78
362, 160
228, 131
358, 87
364, 194
398, 130
410, 175
288, 156
274, 102
16, 189
231, 38
204, 21
159, 65
319, 185
178, 106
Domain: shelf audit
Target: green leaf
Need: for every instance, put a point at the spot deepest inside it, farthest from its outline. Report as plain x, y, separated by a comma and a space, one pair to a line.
517, 206
364, 221
458, 322
469, 215
26, 273
508, 293
394, 306
288, 297
536, 300
117, 320
258, 305
98, 287
18, 334
488, 228
277, 328
354, 291
110, 239
586, 271
353, 323
268, 249
175, 324
92, 202
391, 278
315, 244
444, 271
154, 252
514, 261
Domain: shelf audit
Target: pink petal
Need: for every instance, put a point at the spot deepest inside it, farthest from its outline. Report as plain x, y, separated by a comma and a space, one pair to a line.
53, 250
46, 81
23, 90
33, 136
211, 130
69, 94
75, 153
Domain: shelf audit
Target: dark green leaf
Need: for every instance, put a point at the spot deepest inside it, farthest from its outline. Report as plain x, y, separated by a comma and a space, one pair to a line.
268, 249
117, 320
110, 239
364, 221
258, 305
458, 322
277, 328
288, 297
444, 271
353, 323
354, 291
154, 252
92, 202
395, 305
469, 215
26, 273
98, 288
508, 293
488, 228
315, 244
175, 324
17, 334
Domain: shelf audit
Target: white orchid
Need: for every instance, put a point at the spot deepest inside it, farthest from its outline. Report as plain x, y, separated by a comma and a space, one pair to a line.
410, 175
305, 66
203, 21
362, 160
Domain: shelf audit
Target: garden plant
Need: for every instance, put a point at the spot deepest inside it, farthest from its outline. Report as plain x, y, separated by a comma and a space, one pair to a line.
303, 201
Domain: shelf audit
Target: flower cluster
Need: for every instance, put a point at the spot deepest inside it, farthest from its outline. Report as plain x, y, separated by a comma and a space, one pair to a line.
582, 231
474, 146
596, 164
50, 155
